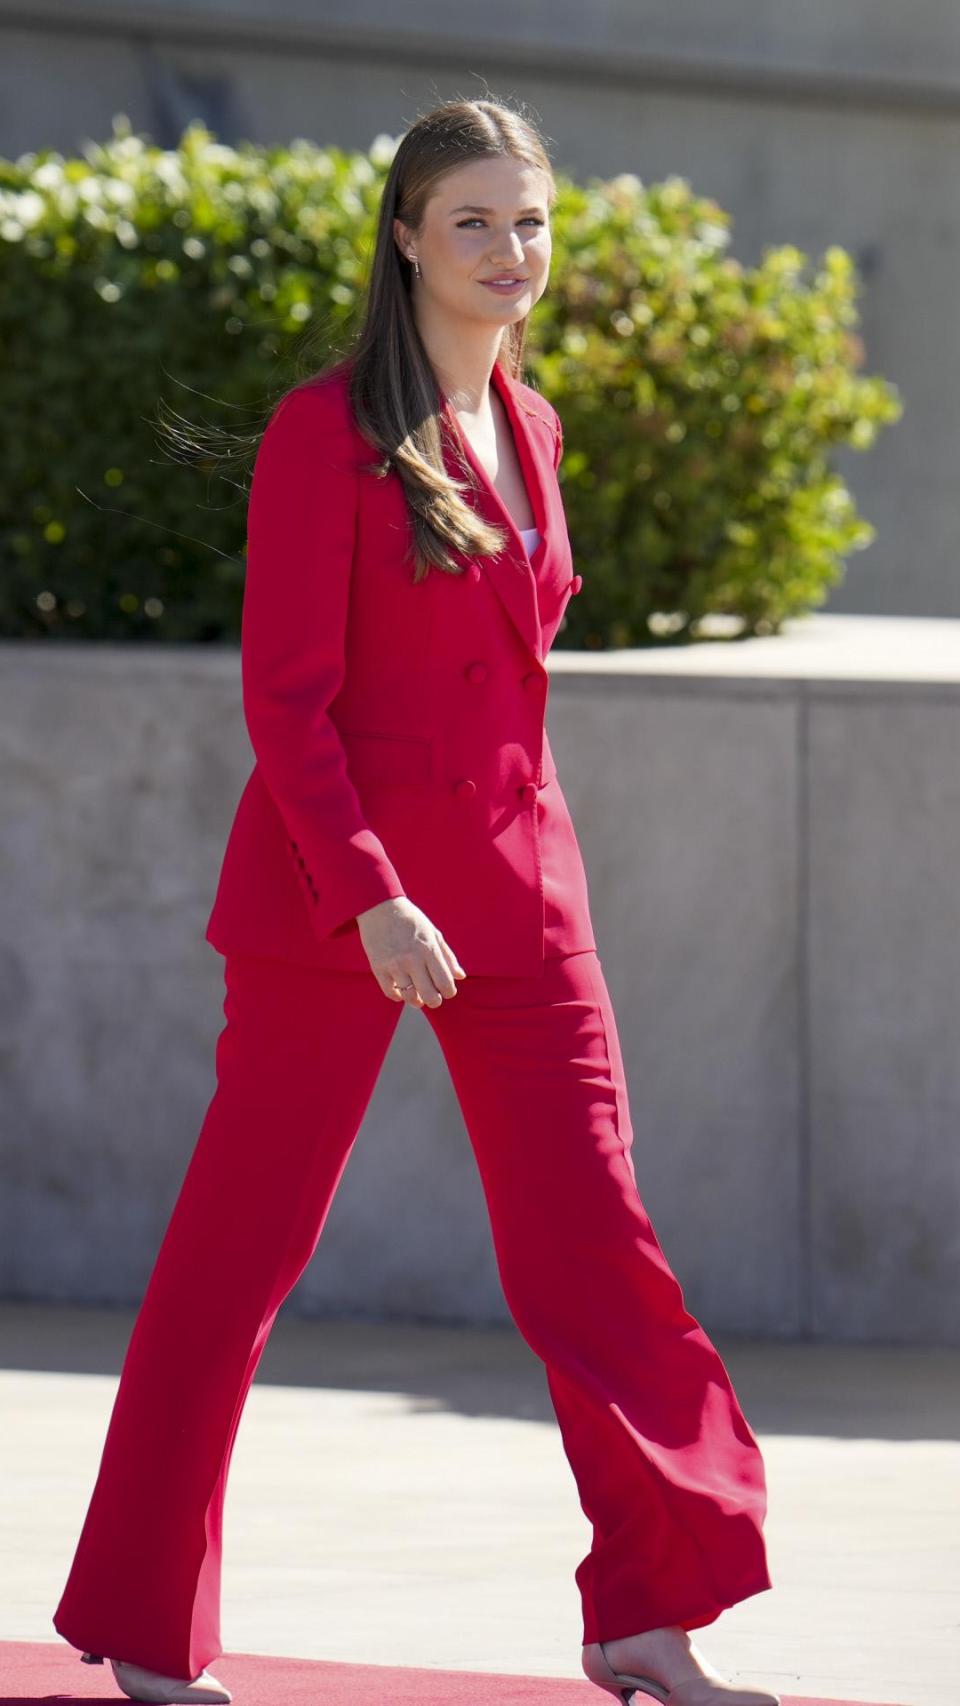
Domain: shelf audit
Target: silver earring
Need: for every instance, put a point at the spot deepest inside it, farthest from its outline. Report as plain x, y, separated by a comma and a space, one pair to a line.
416, 265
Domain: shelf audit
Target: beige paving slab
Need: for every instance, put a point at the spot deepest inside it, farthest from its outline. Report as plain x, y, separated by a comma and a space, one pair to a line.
817, 646
399, 1494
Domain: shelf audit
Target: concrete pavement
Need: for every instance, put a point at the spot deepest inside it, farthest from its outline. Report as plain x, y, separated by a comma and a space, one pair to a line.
399, 1494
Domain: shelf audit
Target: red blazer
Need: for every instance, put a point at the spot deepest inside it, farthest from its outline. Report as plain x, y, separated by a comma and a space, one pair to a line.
398, 729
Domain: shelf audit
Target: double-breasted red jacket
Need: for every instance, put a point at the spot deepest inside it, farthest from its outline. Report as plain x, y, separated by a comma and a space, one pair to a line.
398, 728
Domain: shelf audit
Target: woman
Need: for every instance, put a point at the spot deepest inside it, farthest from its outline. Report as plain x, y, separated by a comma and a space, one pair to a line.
403, 840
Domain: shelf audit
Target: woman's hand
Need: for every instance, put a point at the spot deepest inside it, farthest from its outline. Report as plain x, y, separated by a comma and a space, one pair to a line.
404, 947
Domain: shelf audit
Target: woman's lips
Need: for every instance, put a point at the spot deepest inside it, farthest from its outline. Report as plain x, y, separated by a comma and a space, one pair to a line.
505, 289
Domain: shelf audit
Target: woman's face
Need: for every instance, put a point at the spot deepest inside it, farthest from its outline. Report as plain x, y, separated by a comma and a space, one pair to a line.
485, 220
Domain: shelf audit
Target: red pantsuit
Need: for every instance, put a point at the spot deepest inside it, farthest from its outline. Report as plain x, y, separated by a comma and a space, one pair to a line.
667, 1468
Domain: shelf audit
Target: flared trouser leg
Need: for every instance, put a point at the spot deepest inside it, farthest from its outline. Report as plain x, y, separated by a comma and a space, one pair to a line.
668, 1471
296, 1063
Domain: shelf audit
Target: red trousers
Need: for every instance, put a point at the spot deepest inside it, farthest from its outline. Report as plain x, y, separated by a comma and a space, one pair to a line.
668, 1471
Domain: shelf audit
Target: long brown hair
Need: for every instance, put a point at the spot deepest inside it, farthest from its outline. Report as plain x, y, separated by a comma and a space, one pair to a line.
394, 394
393, 390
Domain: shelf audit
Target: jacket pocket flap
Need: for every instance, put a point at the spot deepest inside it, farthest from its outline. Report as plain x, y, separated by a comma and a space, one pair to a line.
374, 757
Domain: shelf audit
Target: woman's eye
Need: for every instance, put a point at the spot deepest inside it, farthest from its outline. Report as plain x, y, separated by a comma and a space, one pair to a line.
529, 219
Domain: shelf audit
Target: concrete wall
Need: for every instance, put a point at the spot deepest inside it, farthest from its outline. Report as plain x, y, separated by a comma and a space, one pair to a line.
812, 124
770, 830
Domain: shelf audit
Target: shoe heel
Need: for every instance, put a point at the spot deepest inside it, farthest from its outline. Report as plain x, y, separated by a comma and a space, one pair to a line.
91, 1658
597, 1668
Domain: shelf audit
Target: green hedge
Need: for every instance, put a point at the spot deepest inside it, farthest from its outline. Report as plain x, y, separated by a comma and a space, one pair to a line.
700, 398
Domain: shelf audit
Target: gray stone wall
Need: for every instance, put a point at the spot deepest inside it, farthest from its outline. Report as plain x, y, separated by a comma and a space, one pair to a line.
770, 830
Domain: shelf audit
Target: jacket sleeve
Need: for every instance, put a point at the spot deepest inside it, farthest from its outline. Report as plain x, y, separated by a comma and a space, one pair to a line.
301, 524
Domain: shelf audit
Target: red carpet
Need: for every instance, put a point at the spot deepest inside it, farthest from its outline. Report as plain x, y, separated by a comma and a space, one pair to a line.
32, 1671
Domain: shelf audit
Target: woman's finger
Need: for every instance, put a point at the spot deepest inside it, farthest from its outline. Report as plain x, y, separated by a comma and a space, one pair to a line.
456, 968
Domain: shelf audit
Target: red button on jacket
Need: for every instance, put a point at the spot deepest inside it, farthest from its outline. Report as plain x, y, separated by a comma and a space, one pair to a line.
359, 727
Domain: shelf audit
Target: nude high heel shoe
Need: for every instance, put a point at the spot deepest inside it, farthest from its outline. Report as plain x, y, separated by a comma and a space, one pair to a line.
140, 1684
692, 1691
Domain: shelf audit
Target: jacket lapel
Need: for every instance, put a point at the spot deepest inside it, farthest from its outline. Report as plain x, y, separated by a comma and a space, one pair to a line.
511, 572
